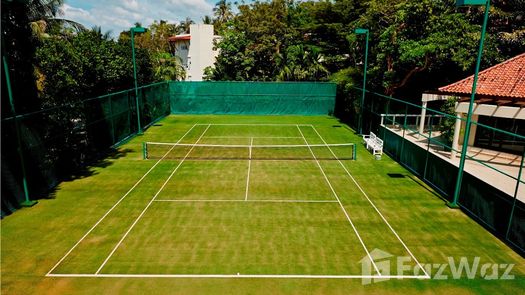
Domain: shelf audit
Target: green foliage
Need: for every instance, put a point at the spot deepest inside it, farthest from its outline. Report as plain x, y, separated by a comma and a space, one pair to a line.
235, 62
506, 27
263, 44
447, 124
208, 74
222, 13
18, 50
184, 26
166, 66
415, 45
87, 64
72, 69
419, 39
347, 102
301, 63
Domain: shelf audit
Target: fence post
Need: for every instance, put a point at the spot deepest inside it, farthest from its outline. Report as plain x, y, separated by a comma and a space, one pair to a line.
130, 108
386, 112
428, 147
404, 130
111, 120
464, 150
515, 196
27, 202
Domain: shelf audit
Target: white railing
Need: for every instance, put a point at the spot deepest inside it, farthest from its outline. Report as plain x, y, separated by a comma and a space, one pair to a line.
399, 124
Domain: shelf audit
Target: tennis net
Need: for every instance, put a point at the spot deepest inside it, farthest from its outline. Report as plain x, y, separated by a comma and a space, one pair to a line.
178, 151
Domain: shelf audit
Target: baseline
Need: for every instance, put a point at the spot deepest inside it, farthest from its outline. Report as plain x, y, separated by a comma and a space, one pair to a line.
240, 276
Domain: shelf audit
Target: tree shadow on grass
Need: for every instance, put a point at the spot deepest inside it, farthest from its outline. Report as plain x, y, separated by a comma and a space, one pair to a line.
103, 160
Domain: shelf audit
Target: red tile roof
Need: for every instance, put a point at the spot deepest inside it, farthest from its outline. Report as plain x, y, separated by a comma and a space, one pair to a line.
506, 79
179, 37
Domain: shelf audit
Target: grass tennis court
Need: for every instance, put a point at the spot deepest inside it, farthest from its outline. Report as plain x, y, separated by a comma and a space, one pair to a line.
214, 214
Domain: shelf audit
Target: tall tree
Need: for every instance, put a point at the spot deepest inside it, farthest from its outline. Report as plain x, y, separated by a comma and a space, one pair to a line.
259, 35
184, 26
18, 50
507, 26
155, 42
301, 63
223, 13
417, 39
207, 20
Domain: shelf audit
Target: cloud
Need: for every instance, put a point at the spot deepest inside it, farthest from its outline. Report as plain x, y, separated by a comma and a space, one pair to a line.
119, 15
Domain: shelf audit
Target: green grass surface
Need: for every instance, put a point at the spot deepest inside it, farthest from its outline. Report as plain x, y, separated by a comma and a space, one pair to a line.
199, 222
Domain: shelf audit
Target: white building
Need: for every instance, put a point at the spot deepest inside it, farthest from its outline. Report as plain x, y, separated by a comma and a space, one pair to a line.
196, 50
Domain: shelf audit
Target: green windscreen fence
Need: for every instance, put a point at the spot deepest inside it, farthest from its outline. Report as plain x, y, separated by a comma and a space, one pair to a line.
58, 142
265, 98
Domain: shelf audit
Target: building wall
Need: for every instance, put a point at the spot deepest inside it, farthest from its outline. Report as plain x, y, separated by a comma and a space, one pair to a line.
182, 50
201, 53
198, 52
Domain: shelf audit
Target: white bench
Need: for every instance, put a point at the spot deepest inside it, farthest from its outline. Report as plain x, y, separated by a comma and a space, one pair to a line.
373, 143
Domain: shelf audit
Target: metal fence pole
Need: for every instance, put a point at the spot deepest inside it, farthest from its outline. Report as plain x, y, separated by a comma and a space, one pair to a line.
515, 196
111, 120
454, 203
404, 131
27, 202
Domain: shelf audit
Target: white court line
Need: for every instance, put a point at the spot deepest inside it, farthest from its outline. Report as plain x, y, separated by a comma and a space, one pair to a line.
252, 137
238, 276
253, 201
340, 204
255, 124
293, 201
147, 206
371, 203
249, 168
246, 145
115, 205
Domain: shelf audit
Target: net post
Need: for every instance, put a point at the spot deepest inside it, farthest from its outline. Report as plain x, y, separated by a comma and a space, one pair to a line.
144, 151
354, 152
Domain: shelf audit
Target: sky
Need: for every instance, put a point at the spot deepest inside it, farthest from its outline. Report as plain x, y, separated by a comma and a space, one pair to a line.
118, 15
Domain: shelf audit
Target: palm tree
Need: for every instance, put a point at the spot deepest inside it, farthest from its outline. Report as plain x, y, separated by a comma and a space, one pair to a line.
184, 26
223, 11
168, 67
43, 9
42, 15
207, 20
301, 64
